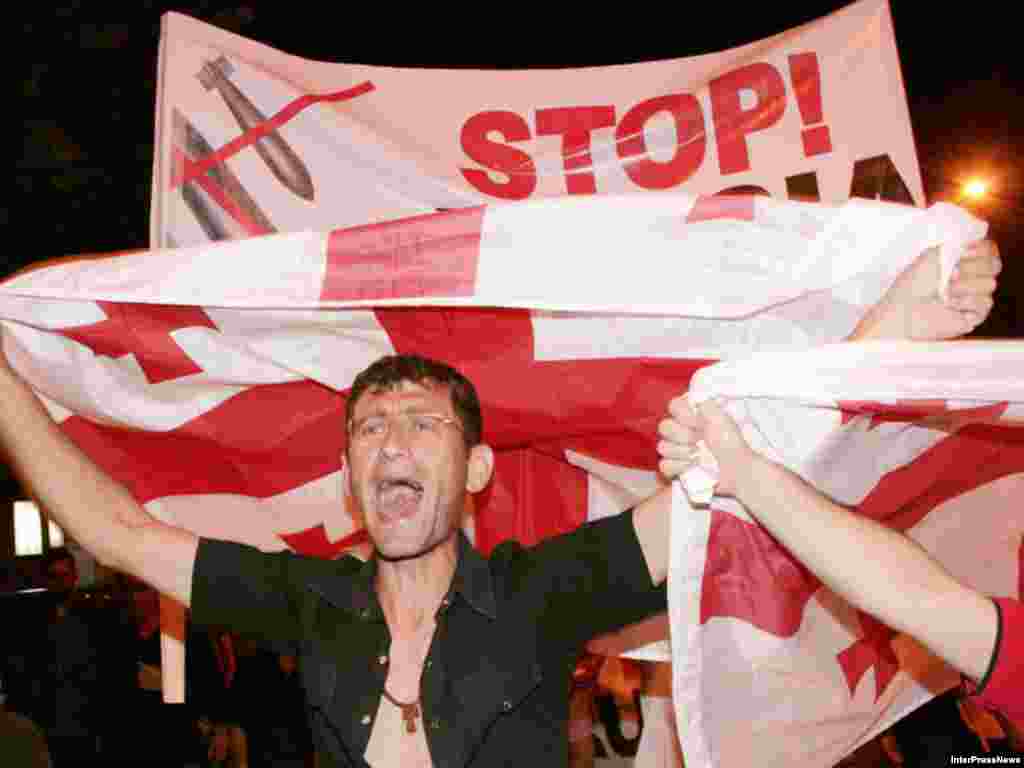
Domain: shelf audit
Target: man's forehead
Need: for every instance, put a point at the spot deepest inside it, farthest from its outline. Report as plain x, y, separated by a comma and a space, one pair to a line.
404, 392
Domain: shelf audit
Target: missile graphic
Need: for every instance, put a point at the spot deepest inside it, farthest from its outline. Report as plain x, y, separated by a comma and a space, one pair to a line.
216, 222
275, 151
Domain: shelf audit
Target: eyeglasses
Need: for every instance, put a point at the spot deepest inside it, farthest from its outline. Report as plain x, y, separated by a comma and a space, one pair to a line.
375, 428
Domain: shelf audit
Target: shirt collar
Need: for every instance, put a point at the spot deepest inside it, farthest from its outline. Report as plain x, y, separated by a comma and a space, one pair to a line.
356, 592
473, 580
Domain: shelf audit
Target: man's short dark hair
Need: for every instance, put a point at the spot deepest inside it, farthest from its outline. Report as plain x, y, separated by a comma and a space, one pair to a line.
389, 372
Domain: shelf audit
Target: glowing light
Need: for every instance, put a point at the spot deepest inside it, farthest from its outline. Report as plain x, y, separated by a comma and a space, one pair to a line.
975, 189
28, 529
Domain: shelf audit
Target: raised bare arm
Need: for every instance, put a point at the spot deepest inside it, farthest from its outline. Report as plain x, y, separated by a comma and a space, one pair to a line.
99, 513
854, 556
911, 309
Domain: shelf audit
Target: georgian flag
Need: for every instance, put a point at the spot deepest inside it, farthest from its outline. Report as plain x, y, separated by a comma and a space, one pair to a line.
211, 382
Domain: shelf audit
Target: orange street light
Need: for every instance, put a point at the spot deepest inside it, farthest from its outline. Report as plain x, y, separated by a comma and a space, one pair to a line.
975, 189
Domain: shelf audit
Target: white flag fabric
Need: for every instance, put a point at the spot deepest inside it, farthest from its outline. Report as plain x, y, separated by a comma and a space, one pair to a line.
221, 410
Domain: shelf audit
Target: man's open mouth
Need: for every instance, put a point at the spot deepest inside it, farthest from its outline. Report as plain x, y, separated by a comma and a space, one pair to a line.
396, 485
399, 497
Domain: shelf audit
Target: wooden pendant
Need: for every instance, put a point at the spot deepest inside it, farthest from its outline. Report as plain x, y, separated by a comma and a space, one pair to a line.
410, 711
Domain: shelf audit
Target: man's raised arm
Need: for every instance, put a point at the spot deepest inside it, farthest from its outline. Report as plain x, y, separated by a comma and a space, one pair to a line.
99, 513
854, 556
911, 309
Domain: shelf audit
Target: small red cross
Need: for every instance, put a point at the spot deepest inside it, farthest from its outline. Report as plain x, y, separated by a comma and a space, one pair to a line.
144, 330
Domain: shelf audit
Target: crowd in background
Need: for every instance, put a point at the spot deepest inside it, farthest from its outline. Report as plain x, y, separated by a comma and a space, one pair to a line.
81, 683
81, 669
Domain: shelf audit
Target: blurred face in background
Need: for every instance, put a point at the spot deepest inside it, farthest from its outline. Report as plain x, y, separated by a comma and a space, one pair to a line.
62, 575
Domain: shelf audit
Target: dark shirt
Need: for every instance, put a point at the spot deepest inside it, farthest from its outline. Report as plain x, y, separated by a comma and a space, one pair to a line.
67, 678
494, 689
76, 674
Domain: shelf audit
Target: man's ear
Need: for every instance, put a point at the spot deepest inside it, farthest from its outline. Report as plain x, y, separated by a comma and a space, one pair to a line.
346, 477
481, 467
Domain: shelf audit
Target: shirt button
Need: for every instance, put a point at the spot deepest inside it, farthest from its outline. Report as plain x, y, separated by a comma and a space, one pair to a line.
435, 723
366, 720
429, 663
382, 660
506, 705
364, 614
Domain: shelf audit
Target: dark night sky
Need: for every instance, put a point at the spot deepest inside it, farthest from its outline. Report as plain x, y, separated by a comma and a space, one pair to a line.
88, 84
